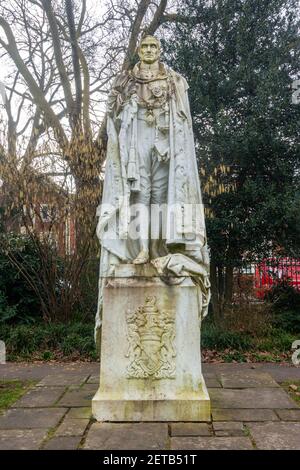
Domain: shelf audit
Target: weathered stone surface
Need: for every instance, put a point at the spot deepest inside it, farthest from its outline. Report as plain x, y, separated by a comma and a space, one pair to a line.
244, 415
72, 427
116, 436
282, 372
276, 436
211, 380
190, 429
19, 439
228, 428
247, 379
211, 443
149, 371
80, 413
40, 397
289, 415
20, 418
28, 371
63, 380
255, 398
63, 443
81, 397
279, 372
93, 379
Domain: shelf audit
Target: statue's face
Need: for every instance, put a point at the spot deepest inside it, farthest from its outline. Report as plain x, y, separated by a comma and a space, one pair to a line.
149, 51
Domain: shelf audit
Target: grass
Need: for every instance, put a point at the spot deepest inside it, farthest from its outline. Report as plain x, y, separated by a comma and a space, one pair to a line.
11, 391
292, 387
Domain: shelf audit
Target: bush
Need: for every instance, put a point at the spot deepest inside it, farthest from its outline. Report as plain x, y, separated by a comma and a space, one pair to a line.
18, 300
286, 307
214, 337
277, 340
54, 341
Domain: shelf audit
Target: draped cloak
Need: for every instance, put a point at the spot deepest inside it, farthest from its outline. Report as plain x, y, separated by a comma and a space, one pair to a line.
184, 193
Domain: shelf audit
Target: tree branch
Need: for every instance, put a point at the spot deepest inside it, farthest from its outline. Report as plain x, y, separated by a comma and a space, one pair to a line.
75, 60
136, 28
34, 89
47, 5
157, 18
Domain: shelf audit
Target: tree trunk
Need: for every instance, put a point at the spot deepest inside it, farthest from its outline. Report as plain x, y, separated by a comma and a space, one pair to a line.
228, 285
214, 291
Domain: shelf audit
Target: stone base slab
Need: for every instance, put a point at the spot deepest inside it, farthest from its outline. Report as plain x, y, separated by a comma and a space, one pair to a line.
106, 409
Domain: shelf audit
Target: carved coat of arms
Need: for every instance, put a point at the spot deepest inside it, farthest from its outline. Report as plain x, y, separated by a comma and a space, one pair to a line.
151, 335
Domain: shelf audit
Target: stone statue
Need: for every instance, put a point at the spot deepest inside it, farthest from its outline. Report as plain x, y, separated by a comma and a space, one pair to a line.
154, 270
151, 163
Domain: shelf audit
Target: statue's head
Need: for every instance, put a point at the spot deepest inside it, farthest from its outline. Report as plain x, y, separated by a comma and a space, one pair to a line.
149, 49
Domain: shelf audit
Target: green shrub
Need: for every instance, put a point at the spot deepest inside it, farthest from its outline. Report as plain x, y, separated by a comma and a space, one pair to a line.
18, 300
286, 307
277, 340
74, 340
214, 337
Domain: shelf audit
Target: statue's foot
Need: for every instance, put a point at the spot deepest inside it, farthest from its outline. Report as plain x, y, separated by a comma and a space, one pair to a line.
142, 257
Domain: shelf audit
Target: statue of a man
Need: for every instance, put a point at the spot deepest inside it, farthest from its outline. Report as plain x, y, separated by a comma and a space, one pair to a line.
151, 164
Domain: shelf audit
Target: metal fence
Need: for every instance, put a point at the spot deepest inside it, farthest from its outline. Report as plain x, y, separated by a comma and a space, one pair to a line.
271, 271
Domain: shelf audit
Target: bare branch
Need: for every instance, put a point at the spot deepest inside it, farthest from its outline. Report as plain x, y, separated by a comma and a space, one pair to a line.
36, 92
75, 59
157, 18
136, 29
47, 5
81, 20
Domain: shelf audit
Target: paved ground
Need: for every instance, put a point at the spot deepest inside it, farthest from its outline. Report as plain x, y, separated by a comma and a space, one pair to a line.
250, 410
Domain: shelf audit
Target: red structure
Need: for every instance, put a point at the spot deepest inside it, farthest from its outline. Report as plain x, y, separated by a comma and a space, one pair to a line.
270, 271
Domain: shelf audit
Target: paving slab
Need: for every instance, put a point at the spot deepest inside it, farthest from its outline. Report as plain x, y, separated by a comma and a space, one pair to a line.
211, 380
190, 429
63, 443
247, 379
25, 418
37, 371
115, 436
20, 439
26, 371
79, 397
80, 413
40, 397
94, 379
63, 380
72, 427
289, 415
274, 436
282, 372
211, 443
229, 428
243, 415
254, 398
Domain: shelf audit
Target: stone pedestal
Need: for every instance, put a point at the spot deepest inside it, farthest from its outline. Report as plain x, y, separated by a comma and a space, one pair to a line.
150, 367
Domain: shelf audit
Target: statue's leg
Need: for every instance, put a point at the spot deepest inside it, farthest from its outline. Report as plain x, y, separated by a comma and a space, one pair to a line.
159, 197
141, 199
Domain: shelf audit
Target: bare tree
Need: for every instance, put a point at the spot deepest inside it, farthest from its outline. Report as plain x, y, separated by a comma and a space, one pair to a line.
61, 57
59, 79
